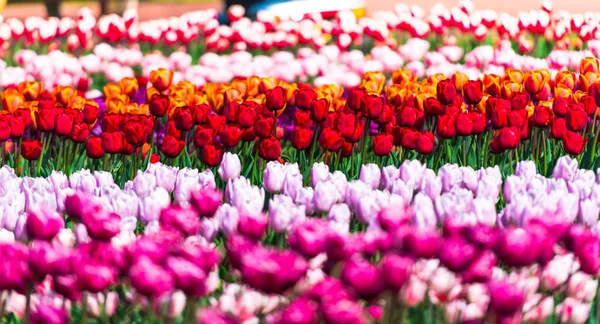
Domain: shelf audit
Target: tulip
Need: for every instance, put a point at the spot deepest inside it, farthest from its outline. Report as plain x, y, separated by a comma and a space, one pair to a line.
319, 172
63, 124
252, 226
102, 225
187, 276
47, 260
150, 279
512, 244
269, 149
276, 98
212, 154
171, 147
382, 144
319, 110
370, 174
230, 167
421, 243
463, 124
45, 313
231, 136
31, 149
300, 311
456, 254
324, 197
44, 225
112, 142
505, 298
396, 270
364, 278
301, 138
331, 140
573, 143
274, 176
182, 219
93, 147
278, 271
206, 201
93, 276
161, 79
373, 106
446, 91
576, 119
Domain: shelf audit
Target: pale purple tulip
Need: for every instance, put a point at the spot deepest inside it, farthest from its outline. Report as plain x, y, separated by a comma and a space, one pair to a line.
588, 212
424, 211
525, 169
469, 178
403, 189
339, 213
125, 204
389, 175
432, 186
58, 180
513, 187
187, 181
318, 173
143, 183
451, 176
247, 198
305, 197
324, 196
291, 184
229, 218
83, 180
366, 209
565, 168
103, 178
230, 167
283, 213
151, 206
166, 176
274, 177
488, 188
484, 210
341, 183
370, 174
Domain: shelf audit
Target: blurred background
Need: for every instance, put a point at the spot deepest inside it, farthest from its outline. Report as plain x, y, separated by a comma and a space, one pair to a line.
151, 9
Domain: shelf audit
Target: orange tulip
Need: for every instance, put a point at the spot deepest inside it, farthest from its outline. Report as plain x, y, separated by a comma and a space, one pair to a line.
563, 91
588, 64
508, 88
566, 79
267, 84
12, 99
491, 84
395, 94
129, 86
240, 85
513, 75
64, 95
401, 76
161, 79
534, 81
150, 91
587, 79
30, 89
253, 86
434, 79
460, 79
111, 90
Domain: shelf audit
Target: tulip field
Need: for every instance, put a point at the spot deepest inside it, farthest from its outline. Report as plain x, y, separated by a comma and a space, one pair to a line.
421, 166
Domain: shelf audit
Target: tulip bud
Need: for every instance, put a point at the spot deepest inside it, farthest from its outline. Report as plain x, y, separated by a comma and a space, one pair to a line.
44, 225
206, 201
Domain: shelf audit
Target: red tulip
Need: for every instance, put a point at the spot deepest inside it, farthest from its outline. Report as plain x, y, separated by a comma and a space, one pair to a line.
499, 118
269, 149
183, 118
111, 122
203, 136
112, 142
373, 106
247, 115
212, 154
134, 132
576, 118
573, 143
425, 143
45, 119
264, 126
80, 133
302, 119
386, 115
445, 126
558, 129
594, 91
231, 111
154, 158
304, 98
93, 147
446, 91
559, 106
319, 109
479, 123
172, 147
473, 92
519, 100
90, 113
509, 138
216, 122
542, 116
409, 117
231, 136
517, 118
589, 105
301, 138
201, 113
31, 149
409, 139
463, 124
382, 144
4, 130
126, 148
17, 126
248, 134
330, 140
276, 98
433, 107
356, 99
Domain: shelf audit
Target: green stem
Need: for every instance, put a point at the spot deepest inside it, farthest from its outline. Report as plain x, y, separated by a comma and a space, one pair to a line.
27, 315
84, 301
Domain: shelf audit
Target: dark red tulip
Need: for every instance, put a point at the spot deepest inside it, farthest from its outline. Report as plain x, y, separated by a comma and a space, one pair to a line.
302, 119
373, 106
276, 98
45, 119
134, 132
31, 149
212, 154
542, 116
111, 142
446, 91
158, 104
93, 147
90, 113
356, 99
473, 92
247, 115
80, 133
172, 147
445, 126
382, 144
330, 140
558, 129
111, 122
264, 126
479, 123
576, 118
269, 149
425, 143
301, 138
433, 107
183, 118
203, 136
231, 136
559, 106
304, 97
573, 143
463, 124
319, 109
